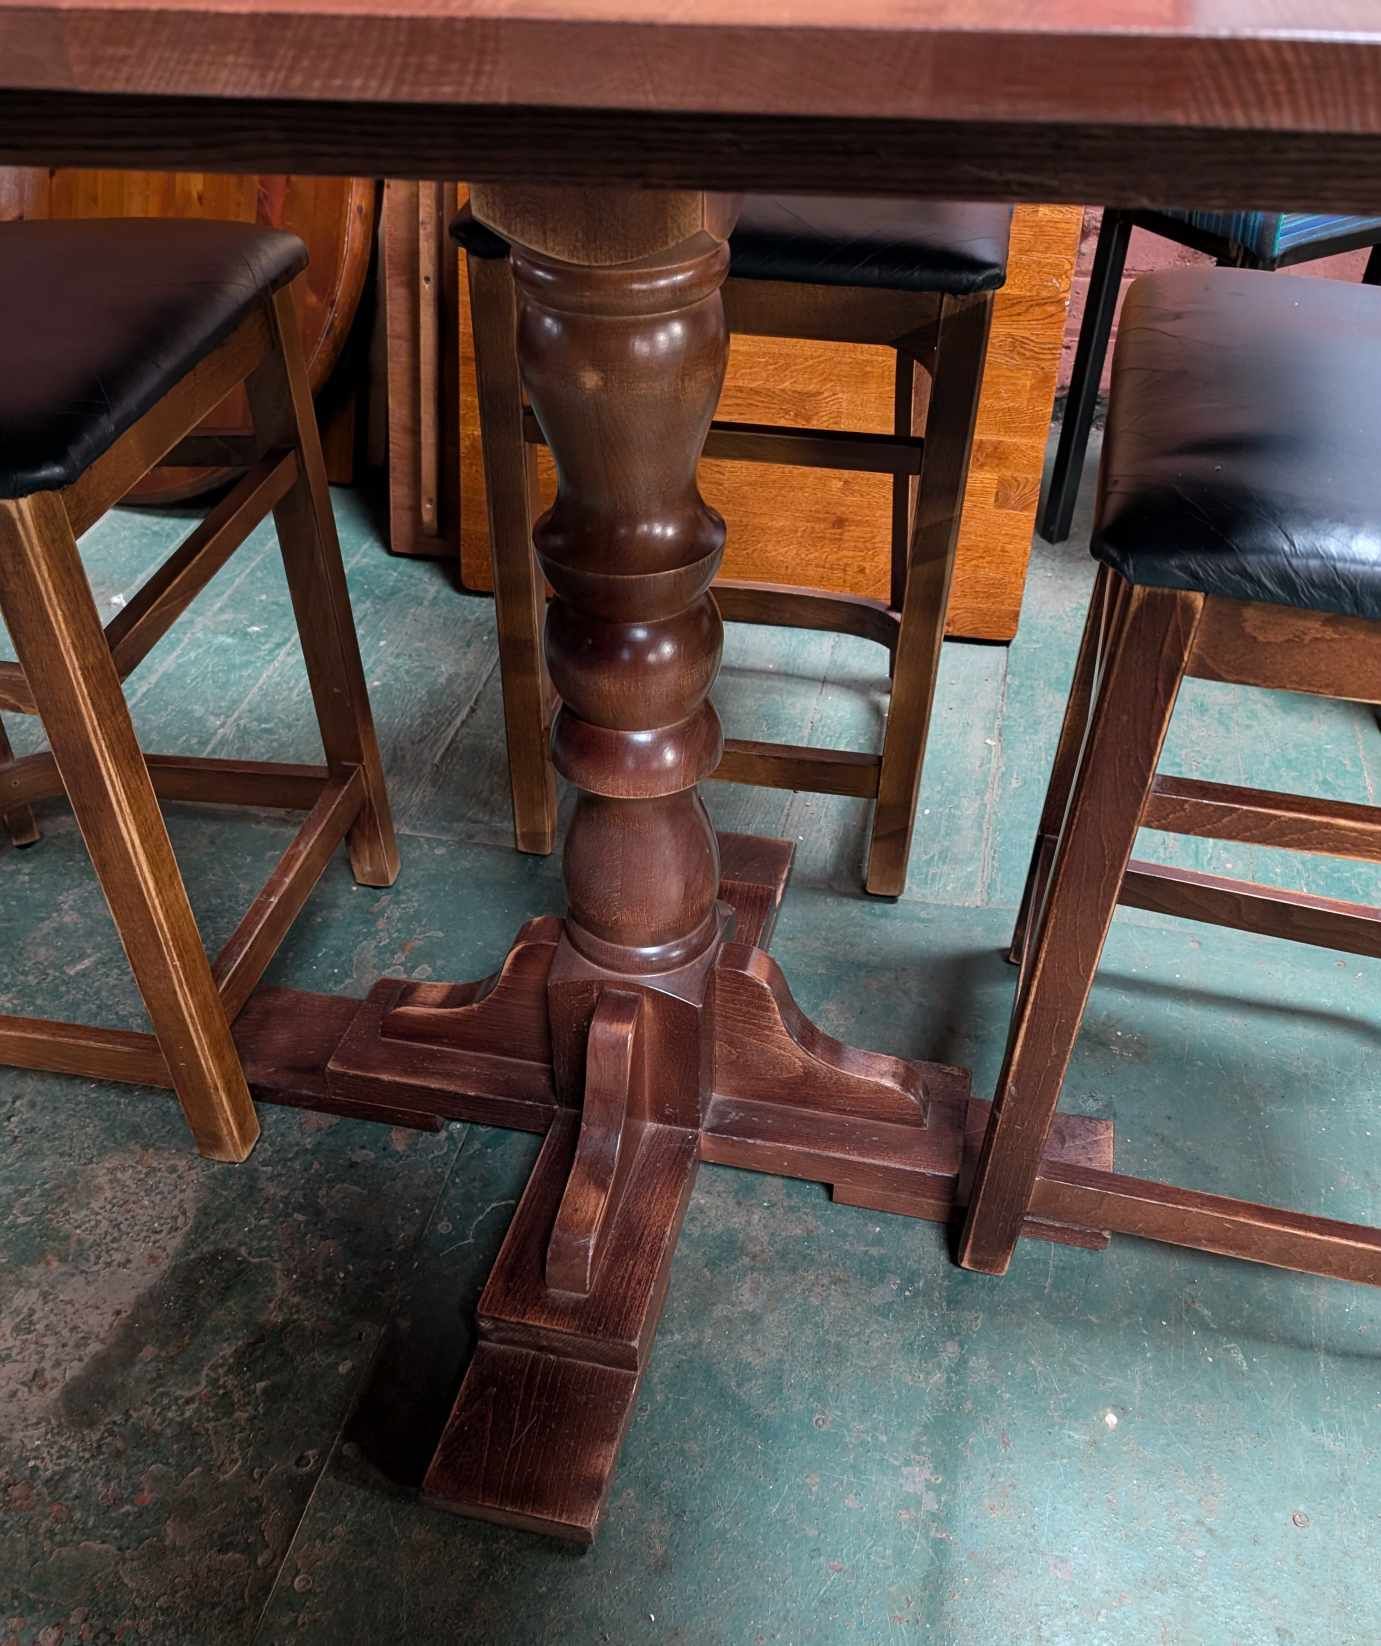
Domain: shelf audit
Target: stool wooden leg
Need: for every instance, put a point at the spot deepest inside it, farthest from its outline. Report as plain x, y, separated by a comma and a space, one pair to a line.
17, 821
959, 354
1151, 634
519, 595
57, 634
280, 400
1066, 762
1057, 509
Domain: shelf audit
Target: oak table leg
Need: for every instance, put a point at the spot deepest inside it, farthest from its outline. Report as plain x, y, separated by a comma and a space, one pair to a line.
649, 1029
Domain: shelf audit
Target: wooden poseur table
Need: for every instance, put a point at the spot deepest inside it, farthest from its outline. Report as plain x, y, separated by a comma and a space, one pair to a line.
650, 1027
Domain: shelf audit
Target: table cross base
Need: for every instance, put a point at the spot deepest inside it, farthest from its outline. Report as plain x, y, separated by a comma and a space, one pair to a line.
634, 1083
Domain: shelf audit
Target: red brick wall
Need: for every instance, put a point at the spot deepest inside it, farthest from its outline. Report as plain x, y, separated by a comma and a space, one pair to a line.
1149, 251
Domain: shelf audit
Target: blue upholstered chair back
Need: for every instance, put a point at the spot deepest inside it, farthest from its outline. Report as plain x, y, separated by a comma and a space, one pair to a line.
1271, 235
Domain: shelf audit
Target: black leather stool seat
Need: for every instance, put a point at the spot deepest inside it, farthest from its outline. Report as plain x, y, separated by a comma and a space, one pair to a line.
1242, 456
824, 240
899, 245
98, 320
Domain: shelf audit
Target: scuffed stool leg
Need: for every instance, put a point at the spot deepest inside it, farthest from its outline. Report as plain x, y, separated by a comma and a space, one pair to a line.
17, 821
1066, 762
519, 594
1151, 633
959, 355
280, 400
58, 638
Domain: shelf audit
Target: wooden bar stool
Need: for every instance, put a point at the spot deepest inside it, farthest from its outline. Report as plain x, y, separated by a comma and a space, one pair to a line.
1239, 535
117, 339
915, 276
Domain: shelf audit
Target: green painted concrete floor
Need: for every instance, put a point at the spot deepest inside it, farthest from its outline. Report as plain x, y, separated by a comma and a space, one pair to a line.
218, 1385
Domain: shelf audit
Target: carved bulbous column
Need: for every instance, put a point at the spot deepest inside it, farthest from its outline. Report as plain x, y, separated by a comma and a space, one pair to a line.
623, 367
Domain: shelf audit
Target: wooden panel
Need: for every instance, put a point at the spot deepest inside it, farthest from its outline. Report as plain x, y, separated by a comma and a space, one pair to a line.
418, 274
831, 529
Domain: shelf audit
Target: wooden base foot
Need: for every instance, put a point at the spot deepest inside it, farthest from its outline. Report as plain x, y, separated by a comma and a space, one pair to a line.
634, 1080
535, 1432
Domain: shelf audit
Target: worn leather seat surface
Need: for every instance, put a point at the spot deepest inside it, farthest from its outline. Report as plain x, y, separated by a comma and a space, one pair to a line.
902, 245
98, 320
829, 240
1242, 456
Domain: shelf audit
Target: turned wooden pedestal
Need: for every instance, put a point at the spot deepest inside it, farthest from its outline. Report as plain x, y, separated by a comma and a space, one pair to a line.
649, 1029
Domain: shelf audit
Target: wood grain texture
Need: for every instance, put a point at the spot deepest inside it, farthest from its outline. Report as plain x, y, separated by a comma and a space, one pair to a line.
257, 938
286, 1037
280, 403
767, 1050
1325, 922
188, 778
149, 614
536, 1428
1137, 643
1065, 767
69, 674
1129, 62
841, 520
52, 619
1259, 817
420, 287
798, 766
623, 366
931, 550
78, 1049
1253, 644
1331, 166
1147, 644
753, 874
1210, 1222
519, 588
611, 1121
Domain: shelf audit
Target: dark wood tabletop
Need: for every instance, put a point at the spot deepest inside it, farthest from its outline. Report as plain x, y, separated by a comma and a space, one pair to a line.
1273, 101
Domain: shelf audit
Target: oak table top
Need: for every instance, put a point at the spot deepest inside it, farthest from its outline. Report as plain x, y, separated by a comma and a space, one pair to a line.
1124, 101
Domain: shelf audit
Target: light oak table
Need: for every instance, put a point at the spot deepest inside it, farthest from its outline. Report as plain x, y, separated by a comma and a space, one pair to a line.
649, 1029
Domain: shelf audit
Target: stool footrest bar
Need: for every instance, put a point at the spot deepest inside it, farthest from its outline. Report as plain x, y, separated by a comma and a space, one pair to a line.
1208, 1222
1325, 922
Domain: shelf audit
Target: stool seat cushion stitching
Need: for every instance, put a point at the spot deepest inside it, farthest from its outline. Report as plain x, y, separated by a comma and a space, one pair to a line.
1242, 455
100, 319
